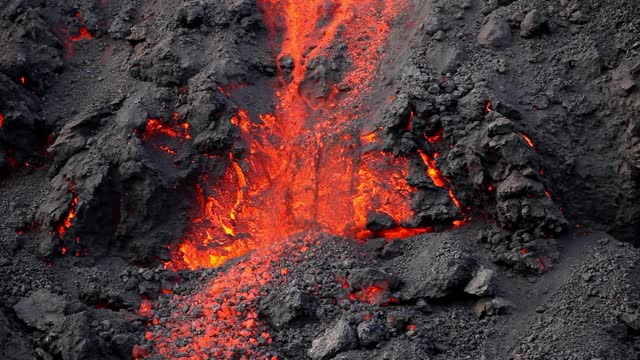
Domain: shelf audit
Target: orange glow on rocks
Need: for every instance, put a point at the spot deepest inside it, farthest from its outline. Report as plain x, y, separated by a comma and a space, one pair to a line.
437, 137
369, 138
223, 330
371, 294
306, 170
156, 126
174, 134
1, 120
145, 308
83, 34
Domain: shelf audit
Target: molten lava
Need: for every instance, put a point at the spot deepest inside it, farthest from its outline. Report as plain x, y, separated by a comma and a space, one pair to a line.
156, 127
83, 34
307, 170
158, 130
1, 120
65, 224
529, 141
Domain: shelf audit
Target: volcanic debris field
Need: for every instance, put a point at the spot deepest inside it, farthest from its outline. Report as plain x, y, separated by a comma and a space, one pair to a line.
319, 179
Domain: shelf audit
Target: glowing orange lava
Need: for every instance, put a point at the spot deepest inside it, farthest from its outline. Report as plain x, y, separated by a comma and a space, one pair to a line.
156, 126
306, 171
529, 141
306, 167
437, 178
1, 120
156, 129
71, 214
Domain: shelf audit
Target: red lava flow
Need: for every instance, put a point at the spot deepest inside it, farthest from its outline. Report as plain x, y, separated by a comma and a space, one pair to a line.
309, 168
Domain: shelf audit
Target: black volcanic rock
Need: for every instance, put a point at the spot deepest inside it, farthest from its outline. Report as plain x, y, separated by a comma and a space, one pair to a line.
362, 278
533, 23
371, 333
281, 308
41, 309
495, 33
340, 337
379, 221
440, 270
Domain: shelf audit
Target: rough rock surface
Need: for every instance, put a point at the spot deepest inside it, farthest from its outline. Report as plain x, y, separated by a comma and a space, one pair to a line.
495, 33
41, 309
482, 283
441, 269
337, 338
537, 136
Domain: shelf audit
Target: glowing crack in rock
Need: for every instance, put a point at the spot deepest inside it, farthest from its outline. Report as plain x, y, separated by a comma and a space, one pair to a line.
156, 129
83, 34
66, 223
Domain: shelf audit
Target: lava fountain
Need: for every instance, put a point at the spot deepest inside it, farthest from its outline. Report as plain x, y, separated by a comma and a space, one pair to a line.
311, 166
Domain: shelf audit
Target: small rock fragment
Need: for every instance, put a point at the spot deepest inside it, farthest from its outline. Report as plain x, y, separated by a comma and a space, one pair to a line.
379, 221
371, 333
281, 308
495, 33
482, 283
338, 338
533, 23
440, 270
